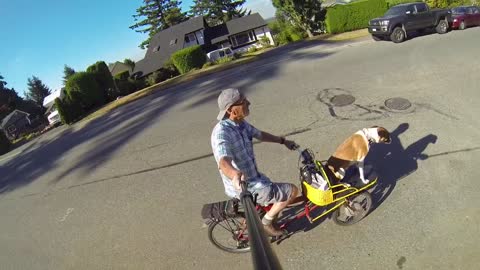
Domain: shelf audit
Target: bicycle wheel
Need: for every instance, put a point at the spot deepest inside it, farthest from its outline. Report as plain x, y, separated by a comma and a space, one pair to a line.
230, 235
354, 209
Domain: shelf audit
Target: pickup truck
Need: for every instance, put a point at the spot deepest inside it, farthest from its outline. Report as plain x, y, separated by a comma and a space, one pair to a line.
402, 19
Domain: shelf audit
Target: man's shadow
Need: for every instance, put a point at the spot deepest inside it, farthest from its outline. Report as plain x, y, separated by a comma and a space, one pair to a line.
391, 162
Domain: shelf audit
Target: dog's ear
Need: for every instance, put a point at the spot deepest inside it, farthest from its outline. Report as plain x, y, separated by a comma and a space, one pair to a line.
384, 134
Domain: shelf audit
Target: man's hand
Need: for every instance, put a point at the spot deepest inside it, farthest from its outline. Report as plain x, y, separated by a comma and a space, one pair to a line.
239, 176
290, 145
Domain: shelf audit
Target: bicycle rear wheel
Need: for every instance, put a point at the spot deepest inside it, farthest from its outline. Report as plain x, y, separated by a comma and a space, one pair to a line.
230, 235
354, 209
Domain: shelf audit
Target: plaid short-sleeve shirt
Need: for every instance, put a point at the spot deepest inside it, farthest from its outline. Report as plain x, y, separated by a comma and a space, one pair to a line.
233, 140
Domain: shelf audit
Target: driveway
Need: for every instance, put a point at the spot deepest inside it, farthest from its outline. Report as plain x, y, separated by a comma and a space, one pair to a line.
125, 191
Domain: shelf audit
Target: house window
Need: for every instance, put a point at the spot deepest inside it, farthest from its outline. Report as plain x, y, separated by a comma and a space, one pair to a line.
243, 38
190, 38
11, 129
173, 42
156, 49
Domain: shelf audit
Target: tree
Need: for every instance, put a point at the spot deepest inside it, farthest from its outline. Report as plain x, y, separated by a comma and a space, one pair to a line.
37, 91
306, 14
218, 11
8, 98
129, 63
155, 16
67, 72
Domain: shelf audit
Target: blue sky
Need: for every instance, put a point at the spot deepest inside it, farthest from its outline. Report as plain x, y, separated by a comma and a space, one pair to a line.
40, 36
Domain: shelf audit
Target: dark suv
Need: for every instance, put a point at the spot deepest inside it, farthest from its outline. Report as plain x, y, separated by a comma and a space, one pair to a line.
402, 19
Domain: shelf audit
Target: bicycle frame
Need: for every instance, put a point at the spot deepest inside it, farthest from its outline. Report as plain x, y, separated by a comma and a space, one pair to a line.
319, 198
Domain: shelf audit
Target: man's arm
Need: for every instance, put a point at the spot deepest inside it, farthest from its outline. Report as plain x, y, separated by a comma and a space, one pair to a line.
225, 165
267, 137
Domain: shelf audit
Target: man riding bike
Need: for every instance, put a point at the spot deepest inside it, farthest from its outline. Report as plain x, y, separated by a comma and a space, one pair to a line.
232, 147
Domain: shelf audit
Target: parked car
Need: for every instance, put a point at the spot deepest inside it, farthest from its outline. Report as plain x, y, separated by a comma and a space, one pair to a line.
465, 16
220, 53
402, 19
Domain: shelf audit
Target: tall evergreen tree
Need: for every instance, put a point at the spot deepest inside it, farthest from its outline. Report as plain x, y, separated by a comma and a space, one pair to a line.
306, 14
37, 91
8, 98
155, 16
67, 72
218, 11
129, 63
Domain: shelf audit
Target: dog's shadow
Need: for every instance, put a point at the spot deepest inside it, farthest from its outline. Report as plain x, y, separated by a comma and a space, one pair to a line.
393, 162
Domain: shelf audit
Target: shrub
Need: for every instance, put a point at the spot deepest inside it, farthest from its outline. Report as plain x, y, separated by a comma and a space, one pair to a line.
284, 32
252, 49
208, 64
153, 78
122, 75
103, 77
224, 60
189, 58
265, 42
342, 18
69, 109
170, 67
139, 83
4, 143
391, 3
82, 87
124, 87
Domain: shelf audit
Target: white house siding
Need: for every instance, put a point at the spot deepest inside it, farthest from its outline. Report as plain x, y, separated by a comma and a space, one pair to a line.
259, 32
264, 31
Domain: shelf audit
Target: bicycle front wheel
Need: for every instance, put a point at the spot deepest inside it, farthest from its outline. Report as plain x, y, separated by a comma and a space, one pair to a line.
230, 235
354, 209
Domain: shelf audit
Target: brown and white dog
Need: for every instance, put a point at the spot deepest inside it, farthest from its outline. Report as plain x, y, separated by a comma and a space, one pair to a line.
354, 150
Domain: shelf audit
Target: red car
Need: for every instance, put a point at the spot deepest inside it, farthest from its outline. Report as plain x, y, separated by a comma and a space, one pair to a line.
465, 16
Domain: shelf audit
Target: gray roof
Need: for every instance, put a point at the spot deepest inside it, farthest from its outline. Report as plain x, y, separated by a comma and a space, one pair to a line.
118, 67
12, 117
170, 40
238, 25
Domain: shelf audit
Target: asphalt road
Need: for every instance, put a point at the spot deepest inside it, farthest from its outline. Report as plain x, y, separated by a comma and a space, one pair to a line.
125, 191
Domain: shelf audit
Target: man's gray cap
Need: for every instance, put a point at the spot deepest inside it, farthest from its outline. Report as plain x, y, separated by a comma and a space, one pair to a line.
226, 99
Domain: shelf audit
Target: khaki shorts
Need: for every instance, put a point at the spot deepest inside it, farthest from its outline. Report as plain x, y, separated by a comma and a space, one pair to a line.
276, 192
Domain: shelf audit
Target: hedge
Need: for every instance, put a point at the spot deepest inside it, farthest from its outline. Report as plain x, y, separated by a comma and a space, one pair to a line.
122, 75
82, 87
103, 77
189, 58
343, 18
125, 87
69, 109
4, 143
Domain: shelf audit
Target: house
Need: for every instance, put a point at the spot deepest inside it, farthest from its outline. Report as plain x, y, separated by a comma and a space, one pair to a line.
240, 34
15, 123
119, 67
49, 103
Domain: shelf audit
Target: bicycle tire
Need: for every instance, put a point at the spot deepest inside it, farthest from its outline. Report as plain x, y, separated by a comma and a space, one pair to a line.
229, 235
361, 205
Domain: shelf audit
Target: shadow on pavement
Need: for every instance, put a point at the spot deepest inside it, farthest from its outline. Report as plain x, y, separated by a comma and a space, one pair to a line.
102, 137
394, 162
